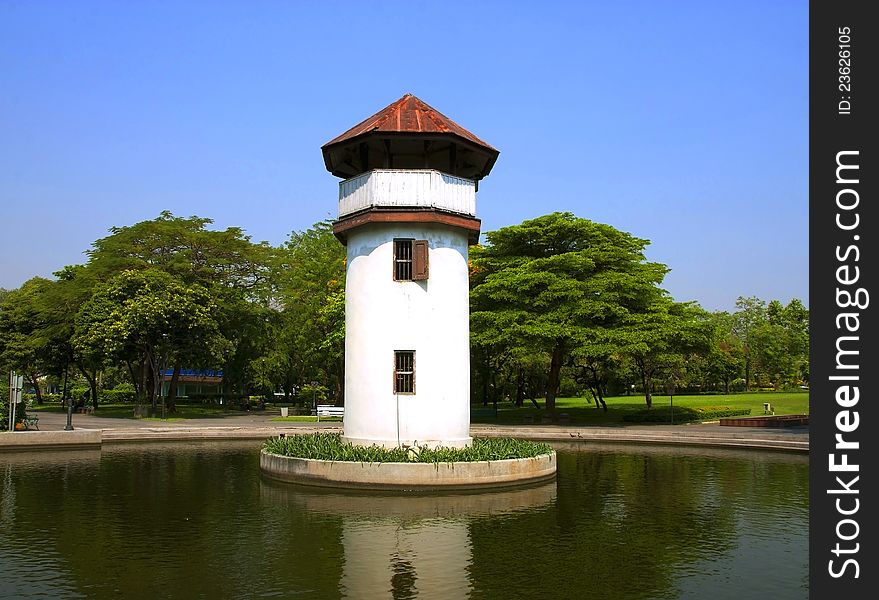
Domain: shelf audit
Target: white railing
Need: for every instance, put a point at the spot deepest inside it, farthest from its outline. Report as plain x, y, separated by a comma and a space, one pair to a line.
407, 188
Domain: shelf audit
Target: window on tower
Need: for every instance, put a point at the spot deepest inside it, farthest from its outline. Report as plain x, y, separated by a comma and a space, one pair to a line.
404, 371
410, 260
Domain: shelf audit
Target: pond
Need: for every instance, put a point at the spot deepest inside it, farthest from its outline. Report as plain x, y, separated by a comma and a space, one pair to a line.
198, 521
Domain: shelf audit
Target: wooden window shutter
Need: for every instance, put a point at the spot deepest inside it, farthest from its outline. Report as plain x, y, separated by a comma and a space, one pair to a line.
420, 260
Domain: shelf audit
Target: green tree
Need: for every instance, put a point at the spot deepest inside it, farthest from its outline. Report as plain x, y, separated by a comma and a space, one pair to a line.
780, 345
750, 314
142, 318
659, 340
227, 263
724, 360
22, 346
310, 279
550, 284
186, 249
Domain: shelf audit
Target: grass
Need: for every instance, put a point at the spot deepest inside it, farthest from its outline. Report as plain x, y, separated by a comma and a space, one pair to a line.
582, 411
329, 446
306, 419
126, 411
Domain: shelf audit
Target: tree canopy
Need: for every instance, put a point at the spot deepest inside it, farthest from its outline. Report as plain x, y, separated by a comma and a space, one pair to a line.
559, 305
559, 284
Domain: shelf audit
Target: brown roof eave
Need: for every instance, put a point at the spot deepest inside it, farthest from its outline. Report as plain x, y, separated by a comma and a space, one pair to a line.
489, 151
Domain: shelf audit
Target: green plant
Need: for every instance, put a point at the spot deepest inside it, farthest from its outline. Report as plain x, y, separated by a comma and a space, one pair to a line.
684, 414
329, 446
117, 396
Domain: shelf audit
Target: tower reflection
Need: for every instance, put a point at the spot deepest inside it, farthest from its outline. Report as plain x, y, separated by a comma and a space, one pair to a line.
404, 545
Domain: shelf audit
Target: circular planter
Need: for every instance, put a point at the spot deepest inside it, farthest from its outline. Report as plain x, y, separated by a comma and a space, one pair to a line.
408, 476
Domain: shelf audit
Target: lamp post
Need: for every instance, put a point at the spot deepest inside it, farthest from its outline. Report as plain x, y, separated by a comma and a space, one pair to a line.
69, 426
314, 399
162, 360
670, 388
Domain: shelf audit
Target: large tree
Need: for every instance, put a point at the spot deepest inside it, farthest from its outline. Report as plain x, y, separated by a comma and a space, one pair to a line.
227, 263
660, 339
749, 316
186, 249
551, 284
22, 343
310, 281
144, 318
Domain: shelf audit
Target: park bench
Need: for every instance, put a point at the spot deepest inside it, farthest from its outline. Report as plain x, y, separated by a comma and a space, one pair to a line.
328, 410
86, 410
31, 423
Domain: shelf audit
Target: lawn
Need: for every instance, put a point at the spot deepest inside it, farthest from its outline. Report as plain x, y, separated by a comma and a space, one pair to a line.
126, 411
306, 419
582, 411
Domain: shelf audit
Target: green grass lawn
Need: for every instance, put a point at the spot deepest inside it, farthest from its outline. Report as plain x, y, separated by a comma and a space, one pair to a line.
126, 411
582, 411
306, 419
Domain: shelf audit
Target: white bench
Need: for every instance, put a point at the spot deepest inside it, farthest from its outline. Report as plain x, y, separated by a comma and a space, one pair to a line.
328, 410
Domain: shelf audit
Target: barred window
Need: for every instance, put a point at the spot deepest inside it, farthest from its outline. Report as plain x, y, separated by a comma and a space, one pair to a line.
410, 260
404, 372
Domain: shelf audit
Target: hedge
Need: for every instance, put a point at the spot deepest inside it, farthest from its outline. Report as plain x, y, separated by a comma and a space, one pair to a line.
684, 414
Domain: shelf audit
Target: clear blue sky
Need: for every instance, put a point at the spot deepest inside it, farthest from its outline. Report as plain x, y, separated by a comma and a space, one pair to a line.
681, 122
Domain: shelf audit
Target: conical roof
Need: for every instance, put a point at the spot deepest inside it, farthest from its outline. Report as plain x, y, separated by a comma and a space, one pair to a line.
409, 114
408, 119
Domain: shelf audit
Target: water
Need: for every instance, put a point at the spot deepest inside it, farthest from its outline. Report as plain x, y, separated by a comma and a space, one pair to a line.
198, 521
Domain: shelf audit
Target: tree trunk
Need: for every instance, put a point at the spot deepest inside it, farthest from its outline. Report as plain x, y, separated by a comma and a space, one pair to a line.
647, 383
555, 369
92, 378
32, 379
596, 385
340, 381
601, 398
520, 387
134, 379
594, 395
171, 399
151, 380
747, 373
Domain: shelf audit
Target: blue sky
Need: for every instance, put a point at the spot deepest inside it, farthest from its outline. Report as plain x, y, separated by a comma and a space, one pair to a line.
681, 122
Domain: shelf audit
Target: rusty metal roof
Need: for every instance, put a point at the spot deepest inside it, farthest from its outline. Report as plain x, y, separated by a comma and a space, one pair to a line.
409, 115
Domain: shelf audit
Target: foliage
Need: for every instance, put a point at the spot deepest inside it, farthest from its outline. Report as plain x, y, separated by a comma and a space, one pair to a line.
329, 446
185, 249
141, 315
559, 305
556, 284
581, 413
659, 340
309, 333
684, 414
118, 396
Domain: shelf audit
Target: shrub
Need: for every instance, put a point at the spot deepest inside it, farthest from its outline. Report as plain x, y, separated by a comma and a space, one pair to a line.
117, 396
329, 446
684, 414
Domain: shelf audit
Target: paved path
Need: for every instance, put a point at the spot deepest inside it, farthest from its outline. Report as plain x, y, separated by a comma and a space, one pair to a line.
261, 426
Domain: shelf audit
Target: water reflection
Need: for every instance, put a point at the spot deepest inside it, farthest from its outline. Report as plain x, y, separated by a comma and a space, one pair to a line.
197, 520
405, 545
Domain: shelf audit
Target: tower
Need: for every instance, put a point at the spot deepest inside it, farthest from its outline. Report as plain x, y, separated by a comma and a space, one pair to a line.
407, 215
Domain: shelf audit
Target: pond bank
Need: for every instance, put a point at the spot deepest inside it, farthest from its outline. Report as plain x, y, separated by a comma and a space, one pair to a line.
92, 431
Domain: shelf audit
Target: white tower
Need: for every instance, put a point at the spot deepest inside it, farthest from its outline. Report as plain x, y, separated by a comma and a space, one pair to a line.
407, 214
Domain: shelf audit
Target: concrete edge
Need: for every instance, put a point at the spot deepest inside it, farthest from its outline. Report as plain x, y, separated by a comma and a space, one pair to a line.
124, 436
41, 440
408, 476
659, 439
91, 438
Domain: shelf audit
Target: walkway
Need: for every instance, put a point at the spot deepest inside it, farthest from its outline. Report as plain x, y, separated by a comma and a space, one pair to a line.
91, 430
